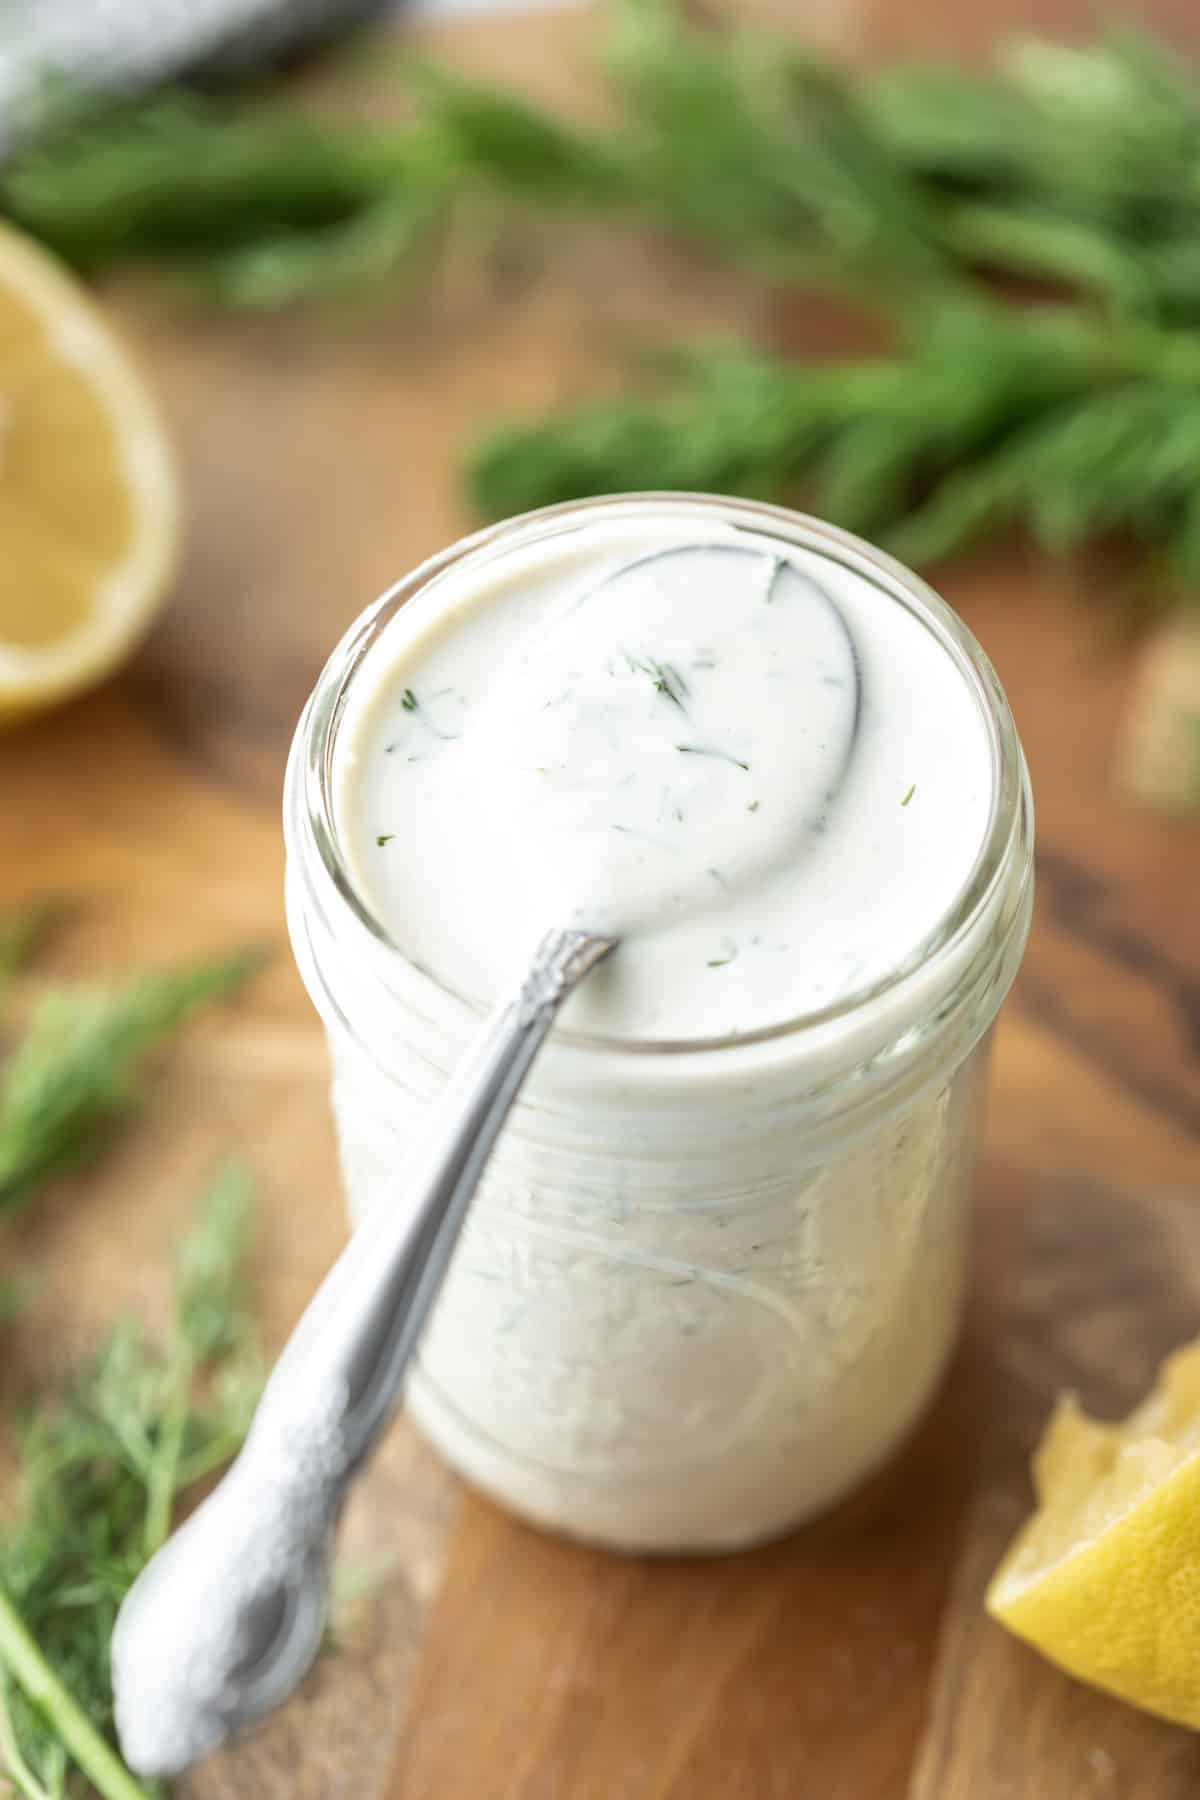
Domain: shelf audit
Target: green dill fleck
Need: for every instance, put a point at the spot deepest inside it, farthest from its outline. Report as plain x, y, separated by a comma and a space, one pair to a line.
385, 837
665, 677
719, 962
718, 755
912, 790
411, 704
753, 806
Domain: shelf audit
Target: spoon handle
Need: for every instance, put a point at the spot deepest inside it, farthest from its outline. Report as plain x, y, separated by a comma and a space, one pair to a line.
224, 1620
363, 1325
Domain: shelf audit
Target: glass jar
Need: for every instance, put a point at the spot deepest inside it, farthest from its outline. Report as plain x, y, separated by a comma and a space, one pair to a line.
706, 1287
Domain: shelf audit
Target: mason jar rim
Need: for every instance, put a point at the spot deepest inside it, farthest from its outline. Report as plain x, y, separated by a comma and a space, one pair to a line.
309, 800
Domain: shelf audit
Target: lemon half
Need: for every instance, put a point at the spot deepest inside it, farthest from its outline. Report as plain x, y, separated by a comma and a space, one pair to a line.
89, 509
1105, 1578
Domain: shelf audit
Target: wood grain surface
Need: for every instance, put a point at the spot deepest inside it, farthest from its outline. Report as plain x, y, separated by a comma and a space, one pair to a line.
1107, 1282
317, 457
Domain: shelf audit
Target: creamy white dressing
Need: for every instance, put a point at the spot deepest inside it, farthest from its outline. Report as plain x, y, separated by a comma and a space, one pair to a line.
746, 760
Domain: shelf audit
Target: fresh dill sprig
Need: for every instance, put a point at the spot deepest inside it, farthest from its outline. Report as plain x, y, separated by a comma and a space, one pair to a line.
75, 1070
746, 142
986, 417
511, 147
905, 187
260, 202
1074, 164
102, 1468
1080, 164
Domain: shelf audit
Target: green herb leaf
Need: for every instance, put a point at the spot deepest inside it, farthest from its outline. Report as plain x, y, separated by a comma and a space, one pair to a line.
75, 1071
212, 1315
985, 418
912, 790
102, 1468
665, 678
212, 185
906, 188
1075, 163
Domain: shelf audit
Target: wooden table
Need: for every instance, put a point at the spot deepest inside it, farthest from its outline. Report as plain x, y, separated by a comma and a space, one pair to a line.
852, 1662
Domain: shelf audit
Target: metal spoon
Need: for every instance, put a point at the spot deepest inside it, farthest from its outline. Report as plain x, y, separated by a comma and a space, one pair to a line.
225, 1619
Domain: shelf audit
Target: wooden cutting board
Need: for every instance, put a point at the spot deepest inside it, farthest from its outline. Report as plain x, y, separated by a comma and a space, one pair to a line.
1106, 1284
319, 461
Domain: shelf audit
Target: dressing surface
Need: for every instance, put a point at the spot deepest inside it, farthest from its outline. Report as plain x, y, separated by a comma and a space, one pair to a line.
763, 774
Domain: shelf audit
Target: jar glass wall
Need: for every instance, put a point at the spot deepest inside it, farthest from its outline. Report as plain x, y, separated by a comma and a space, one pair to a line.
706, 1286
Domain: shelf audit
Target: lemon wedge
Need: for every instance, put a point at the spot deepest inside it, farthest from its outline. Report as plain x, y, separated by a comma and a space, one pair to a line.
1105, 1577
88, 502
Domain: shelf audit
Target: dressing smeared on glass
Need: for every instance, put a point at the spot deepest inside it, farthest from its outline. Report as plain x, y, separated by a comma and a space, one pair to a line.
767, 777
